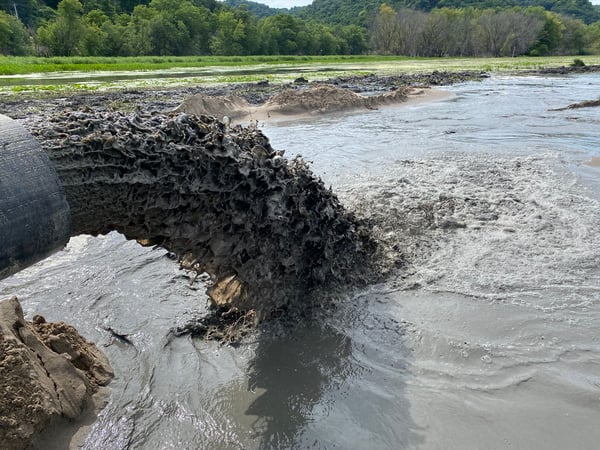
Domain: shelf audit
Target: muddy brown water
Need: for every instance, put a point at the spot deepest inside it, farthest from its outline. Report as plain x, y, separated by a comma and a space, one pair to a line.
487, 338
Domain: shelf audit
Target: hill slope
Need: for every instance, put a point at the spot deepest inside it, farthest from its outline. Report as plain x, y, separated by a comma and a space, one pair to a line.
361, 12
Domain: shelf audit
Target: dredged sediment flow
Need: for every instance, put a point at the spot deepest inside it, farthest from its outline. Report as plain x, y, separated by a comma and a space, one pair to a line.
222, 199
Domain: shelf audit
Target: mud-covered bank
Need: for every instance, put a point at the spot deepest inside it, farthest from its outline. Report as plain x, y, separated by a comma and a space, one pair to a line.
32, 104
564, 70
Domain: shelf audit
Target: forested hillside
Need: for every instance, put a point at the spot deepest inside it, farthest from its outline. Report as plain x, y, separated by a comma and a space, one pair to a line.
361, 12
258, 9
236, 27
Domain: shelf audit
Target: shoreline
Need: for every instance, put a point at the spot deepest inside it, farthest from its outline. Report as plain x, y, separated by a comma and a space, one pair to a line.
256, 94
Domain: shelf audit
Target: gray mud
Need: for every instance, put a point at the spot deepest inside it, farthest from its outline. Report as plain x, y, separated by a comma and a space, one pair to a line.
254, 93
222, 200
265, 228
565, 70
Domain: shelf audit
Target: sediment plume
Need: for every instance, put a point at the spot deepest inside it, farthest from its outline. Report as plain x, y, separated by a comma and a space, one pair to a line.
47, 372
222, 199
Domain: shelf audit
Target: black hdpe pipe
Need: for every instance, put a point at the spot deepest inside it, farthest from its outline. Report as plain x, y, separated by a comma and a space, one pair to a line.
35, 220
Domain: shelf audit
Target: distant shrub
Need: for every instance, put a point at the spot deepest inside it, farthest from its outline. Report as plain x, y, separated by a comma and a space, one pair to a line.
577, 63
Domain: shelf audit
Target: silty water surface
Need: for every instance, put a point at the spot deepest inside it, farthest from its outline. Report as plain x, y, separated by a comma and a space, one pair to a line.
488, 338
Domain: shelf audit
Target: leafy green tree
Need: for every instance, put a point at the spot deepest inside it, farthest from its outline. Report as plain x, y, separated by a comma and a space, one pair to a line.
29, 12
63, 36
550, 36
95, 40
138, 31
386, 32
592, 38
14, 39
573, 40
199, 24
281, 35
167, 37
230, 36
322, 40
354, 38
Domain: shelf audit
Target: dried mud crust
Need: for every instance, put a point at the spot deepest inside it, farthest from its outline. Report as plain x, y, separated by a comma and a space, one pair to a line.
222, 199
47, 372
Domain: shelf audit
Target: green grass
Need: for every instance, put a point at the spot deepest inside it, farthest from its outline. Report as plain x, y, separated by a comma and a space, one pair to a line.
29, 65
10, 65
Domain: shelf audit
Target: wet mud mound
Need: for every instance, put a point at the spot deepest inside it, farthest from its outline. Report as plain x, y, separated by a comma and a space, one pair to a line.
47, 372
314, 99
318, 98
323, 98
232, 106
265, 228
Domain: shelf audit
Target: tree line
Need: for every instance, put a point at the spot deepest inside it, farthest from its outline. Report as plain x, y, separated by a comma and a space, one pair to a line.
361, 12
171, 27
481, 32
208, 27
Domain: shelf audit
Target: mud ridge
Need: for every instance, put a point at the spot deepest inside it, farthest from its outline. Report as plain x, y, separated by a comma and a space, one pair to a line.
584, 104
314, 99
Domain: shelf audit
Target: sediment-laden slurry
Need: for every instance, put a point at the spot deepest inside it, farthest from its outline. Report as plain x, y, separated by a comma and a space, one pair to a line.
47, 371
265, 228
